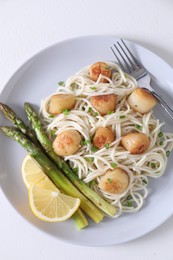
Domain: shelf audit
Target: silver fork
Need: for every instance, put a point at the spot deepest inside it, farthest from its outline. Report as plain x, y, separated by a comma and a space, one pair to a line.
132, 66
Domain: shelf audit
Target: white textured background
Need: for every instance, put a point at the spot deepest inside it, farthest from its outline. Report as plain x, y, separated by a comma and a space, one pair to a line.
28, 26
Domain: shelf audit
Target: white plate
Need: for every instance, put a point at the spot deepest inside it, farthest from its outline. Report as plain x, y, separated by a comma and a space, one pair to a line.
38, 78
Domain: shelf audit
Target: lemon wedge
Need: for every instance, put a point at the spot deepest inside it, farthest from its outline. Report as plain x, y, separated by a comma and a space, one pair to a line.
31, 171
46, 201
48, 204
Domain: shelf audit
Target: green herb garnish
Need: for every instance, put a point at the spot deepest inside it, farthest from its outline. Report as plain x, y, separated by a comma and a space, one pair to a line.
52, 133
91, 138
167, 153
110, 112
61, 83
107, 67
96, 114
93, 88
139, 127
51, 116
144, 181
160, 134
94, 149
107, 146
129, 203
74, 85
121, 117
89, 109
66, 112
153, 165
87, 142
113, 165
89, 159
109, 180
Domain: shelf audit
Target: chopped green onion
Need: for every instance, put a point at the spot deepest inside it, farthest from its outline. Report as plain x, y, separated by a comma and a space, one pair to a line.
93, 88
87, 142
96, 114
107, 67
94, 149
160, 134
66, 112
53, 132
144, 181
110, 112
139, 127
113, 165
153, 165
51, 116
167, 153
161, 143
73, 85
121, 117
129, 203
61, 83
89, 109
109, 180
107, 146
89, 159
91, 138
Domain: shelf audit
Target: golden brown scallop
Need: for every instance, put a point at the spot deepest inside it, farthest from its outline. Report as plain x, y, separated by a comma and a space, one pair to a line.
104, 103
67, 142
141, 100
100, 68
103, 136
59, 102
135, 143
114, 182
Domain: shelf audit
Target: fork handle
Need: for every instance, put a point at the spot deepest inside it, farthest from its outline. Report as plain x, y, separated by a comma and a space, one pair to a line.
163, 104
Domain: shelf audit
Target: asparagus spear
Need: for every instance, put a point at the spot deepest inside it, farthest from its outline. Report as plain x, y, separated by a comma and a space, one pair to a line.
53, 173
17, 121
37, 126
80, 219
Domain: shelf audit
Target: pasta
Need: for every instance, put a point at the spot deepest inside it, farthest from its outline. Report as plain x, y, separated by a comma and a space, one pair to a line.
90, 163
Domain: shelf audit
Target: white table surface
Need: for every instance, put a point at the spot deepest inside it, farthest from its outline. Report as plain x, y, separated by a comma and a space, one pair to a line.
28, 26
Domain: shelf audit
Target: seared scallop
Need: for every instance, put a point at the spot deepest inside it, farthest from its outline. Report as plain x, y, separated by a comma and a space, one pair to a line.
135, 143
67, 142
103, 136
100, 68
59, 102
104, 103
141, 100
114, 182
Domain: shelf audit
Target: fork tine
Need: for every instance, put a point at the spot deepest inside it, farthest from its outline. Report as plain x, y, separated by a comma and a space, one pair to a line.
122, 66
137, 63
132, 63
127, 65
